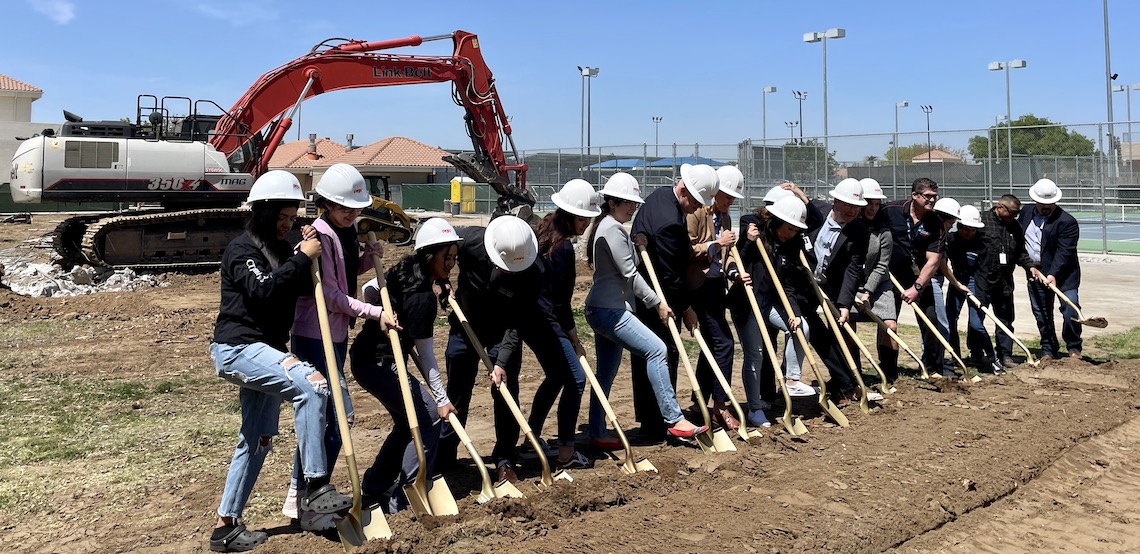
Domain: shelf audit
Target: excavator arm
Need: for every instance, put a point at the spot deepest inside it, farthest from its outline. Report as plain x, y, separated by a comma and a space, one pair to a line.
274, 99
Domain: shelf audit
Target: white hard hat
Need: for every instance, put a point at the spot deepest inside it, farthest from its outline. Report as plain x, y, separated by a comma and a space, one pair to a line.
1045, 191
731, 180
776, 193
624, 186
344, 185
510, 243
276, 185
790, 210
871, 189
577, 197
701, 182
849, 191
435, 231
948, 207
970, 217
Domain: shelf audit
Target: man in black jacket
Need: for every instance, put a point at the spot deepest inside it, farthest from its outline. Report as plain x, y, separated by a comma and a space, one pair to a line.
1005, 250
1051, 236
660, 222
835, 252
498, 290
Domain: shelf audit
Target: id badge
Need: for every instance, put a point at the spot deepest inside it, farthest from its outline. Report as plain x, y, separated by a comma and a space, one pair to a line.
1001, 258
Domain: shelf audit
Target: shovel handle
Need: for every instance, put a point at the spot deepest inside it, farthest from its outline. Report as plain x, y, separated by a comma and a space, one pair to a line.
504, 392
605, 402
829, 312
484, 475
933, 330
684, 355
769, 349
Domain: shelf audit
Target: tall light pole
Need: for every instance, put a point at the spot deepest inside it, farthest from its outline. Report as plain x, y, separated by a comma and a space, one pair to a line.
587, 73
833, 33
895, 166
1127, 90
800, 95
998, 66
764, 124
792, 130
656, 134
926, 109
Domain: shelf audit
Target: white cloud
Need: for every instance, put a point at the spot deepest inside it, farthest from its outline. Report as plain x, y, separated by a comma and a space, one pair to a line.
59, 11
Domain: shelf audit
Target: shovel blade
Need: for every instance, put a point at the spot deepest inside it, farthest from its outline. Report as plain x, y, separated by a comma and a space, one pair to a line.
1098, 322
798, 428
417, 500
440, 498
722, 442
507, 489
833, 412
354, 529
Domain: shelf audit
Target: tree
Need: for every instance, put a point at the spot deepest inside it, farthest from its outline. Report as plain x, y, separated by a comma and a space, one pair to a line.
806, 163
1037, 137
871, 160
907, 153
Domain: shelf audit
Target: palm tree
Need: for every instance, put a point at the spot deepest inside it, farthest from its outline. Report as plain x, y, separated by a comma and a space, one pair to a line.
871, 160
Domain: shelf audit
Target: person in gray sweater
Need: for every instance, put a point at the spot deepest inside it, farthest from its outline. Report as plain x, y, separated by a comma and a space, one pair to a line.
610, 305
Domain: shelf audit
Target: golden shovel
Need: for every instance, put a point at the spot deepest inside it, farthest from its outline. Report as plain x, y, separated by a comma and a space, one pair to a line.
934, 331
709, 441
547, 479
629, 465
793, 424
742, 429
895, 337
829, 318
824, 402
489, 491
1098, 322
358, 525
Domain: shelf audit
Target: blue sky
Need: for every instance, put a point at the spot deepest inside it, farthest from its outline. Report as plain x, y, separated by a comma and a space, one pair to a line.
700, 66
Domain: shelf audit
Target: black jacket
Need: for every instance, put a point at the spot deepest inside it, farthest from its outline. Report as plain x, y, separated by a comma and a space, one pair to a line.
496, 302
967, 260
912, 240
1002, 238
844, 272
786, 259
558, 279
662, 221
1059, 237
258, 302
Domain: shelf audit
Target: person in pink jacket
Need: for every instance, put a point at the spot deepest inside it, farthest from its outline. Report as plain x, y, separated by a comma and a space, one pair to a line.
341, 195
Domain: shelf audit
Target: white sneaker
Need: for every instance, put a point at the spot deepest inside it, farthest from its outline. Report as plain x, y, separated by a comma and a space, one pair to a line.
756, 418
874, 396
801, 389
315, 522
290, 506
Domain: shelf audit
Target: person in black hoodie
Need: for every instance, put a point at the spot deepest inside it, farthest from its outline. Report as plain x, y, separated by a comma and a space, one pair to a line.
417, 285
261, 279
966, 253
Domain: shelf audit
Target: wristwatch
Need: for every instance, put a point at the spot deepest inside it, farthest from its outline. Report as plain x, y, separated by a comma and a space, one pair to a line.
918, 286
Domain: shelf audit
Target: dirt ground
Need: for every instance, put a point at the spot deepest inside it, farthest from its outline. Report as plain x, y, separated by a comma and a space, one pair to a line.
1041, 459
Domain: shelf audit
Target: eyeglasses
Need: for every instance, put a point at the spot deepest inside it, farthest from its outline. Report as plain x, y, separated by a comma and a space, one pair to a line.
1011, 212
929, 195
345, 209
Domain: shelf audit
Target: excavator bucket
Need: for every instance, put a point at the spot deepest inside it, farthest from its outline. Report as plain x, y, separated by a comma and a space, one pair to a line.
388, 220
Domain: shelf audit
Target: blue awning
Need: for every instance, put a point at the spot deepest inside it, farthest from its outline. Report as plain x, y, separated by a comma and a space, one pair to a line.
623, 163
692, 160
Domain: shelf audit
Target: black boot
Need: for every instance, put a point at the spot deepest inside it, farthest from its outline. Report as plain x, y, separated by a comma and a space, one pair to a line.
889, 361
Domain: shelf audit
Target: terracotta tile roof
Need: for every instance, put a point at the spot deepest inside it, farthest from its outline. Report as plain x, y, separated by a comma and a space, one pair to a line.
935, 154
8, 83
293, 154
392, 151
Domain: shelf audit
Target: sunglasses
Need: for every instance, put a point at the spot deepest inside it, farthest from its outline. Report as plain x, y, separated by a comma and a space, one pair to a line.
929, 195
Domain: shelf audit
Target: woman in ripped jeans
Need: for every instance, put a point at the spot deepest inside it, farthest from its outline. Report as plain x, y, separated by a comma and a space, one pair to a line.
261, 279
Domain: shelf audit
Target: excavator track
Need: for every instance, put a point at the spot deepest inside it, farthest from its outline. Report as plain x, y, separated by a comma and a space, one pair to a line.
182, 240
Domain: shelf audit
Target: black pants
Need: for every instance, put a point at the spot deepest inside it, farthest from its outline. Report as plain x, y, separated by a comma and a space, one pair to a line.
1002, 305
463, 367
823, 341
645, 407
397, 462
710, 303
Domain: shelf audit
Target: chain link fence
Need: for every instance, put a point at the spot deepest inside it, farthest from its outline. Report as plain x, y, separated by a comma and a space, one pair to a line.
973, 166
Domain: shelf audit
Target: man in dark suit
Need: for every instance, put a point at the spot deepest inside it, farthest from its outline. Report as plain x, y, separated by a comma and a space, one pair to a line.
1051, 236
1005, 250
661, 224
835, 252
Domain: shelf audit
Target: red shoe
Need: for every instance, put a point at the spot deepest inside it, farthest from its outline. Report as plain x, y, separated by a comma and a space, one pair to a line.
724, 418
607, 442
686, 435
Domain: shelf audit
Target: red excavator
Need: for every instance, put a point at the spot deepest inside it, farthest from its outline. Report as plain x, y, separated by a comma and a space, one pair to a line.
198, 167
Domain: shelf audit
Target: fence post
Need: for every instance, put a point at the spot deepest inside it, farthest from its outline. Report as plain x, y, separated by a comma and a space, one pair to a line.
1103, 192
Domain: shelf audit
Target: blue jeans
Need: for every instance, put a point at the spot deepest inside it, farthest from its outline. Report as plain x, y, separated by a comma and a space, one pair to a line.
615, 330
752, 344
977, 338
1041, 300
793, 350
313, 351
265, 381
